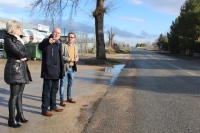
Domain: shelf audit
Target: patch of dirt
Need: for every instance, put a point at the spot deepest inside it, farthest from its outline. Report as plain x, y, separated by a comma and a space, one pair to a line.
112, 59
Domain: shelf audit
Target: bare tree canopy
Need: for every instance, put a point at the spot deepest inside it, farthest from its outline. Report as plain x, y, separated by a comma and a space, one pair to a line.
54, 9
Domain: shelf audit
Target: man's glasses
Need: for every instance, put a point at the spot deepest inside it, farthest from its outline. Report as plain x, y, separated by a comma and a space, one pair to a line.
71, 37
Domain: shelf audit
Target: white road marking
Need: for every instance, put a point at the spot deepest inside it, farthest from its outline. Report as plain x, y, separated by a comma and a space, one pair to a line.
181, 69
152, 56
191, 73
175, 66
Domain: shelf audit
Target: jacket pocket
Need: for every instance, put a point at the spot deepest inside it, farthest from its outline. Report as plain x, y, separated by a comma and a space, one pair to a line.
52, 70
13, 73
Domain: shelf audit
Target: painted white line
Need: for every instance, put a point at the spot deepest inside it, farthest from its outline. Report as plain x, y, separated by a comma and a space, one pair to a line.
175, 66
181, 69
152, 56
191, 73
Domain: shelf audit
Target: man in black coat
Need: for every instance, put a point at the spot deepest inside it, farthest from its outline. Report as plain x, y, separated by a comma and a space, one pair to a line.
52, 70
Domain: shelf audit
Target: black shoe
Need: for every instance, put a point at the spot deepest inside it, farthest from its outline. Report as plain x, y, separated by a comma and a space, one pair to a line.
13, 123
20, 118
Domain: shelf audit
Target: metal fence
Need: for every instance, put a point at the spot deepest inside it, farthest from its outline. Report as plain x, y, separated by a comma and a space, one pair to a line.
82, 42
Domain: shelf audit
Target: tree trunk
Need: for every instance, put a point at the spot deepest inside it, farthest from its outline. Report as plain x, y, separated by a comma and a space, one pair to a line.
99, 23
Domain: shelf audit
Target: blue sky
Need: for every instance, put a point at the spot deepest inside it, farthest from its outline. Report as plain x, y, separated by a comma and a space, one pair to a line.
132, 21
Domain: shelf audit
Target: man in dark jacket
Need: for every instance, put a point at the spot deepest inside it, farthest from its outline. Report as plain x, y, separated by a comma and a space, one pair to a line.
52, 71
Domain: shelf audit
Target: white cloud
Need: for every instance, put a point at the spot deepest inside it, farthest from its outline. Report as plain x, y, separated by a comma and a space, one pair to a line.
133, 19
14, 9
137, 2
128, 34
167, 6
69, 25
10, 4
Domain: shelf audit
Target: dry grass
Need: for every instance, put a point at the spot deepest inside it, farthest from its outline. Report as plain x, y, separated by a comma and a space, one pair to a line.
101, 62
110, 50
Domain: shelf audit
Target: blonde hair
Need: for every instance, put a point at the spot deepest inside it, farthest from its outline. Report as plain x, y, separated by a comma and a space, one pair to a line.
12, 26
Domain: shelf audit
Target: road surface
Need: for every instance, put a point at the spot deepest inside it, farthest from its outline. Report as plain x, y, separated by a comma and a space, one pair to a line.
153, 94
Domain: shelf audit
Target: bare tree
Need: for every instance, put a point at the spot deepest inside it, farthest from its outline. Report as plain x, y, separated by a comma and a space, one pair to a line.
110, 37
54, 9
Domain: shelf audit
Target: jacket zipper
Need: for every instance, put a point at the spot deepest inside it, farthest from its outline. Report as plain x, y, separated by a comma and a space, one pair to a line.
52, 52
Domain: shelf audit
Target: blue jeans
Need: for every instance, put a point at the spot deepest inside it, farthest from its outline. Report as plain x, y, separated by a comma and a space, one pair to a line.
50, 89
70, 76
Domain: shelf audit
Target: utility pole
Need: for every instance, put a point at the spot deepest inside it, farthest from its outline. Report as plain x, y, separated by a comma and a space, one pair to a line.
22, 23
53, 22
111, 38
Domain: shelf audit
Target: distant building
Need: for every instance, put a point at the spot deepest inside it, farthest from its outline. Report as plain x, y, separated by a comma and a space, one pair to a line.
25, 25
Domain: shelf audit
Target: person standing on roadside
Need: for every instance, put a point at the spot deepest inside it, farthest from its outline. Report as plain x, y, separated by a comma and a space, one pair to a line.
52, 70
16, 72
70, 56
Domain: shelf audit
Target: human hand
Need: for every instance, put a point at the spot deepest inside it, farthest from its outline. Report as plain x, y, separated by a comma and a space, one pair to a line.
71, 59
23, 59
76, 59
52, 40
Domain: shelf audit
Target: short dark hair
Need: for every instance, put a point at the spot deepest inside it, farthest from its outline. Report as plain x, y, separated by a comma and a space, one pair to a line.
72, 34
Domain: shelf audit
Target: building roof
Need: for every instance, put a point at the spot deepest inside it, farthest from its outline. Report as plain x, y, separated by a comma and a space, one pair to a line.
2, 25
25, 25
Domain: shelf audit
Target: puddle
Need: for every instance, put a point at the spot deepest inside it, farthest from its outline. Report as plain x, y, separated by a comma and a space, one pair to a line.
116, 69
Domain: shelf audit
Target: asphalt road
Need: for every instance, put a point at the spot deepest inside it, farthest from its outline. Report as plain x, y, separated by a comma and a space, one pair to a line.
153, 94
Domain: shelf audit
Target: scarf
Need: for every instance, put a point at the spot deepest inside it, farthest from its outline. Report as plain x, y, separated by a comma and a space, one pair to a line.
18, 38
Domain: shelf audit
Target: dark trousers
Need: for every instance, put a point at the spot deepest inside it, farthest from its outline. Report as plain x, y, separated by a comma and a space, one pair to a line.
16, 91
50, 89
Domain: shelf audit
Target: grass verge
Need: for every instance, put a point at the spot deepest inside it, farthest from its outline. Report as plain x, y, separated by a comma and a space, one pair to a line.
101, 62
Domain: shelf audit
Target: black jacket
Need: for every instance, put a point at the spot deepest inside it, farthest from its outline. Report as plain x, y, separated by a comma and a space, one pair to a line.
16, 71
52, 60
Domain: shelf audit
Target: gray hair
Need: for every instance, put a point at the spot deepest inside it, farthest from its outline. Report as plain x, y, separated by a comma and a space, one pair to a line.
12, 26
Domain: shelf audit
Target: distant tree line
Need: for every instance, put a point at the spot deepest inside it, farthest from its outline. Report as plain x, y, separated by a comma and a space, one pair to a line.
140, 45
184, 32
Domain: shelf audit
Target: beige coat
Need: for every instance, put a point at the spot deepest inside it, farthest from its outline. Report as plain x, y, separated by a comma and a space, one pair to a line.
66, 57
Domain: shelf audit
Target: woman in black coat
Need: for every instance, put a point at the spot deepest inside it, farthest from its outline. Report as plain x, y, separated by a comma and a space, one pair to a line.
16, 72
